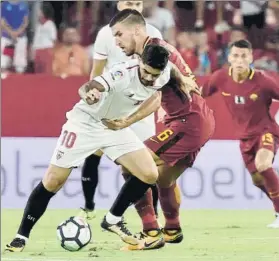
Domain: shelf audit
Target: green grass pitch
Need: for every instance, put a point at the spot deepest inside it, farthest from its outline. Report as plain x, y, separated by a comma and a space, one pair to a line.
209, 235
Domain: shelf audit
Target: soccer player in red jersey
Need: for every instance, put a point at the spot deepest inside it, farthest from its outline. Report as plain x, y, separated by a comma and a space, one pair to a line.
189, 124
248, 95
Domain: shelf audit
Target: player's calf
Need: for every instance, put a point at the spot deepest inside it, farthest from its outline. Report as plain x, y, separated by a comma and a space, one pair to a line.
146, 212
55, 177
170, 202
169, 195
263, 162
258, 181
143, 173
37, 203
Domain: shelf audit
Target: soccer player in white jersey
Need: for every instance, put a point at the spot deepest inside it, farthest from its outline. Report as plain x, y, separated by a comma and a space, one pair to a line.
107, 53
132, 84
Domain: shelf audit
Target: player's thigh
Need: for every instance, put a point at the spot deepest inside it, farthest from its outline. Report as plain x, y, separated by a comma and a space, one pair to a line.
268, 144
140, 164
172, 145
248, 149
98, 153
156, 158
75, 144
168, 175
127, 150
55, 177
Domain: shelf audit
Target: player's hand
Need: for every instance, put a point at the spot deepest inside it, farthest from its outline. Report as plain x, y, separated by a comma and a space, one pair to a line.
160, 114
188, 86
90, 97
116, 124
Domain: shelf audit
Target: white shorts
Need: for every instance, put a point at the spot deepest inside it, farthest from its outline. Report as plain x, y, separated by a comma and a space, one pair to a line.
145, 128
78, 140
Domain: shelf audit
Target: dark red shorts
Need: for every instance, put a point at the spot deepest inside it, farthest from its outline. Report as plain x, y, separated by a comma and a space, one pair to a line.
179, 143
249, 148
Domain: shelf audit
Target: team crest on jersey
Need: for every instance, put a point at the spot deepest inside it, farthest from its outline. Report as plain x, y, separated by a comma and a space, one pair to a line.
239, 99
254, 96
117, 75
59, 154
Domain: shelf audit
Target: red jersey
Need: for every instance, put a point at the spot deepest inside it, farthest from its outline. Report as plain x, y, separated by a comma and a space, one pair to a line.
174, 101
248, 102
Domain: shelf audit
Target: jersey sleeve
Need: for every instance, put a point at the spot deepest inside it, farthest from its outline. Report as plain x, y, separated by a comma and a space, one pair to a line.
164, 78
154, 32
211, 84
100, 45
272, 85
117, 78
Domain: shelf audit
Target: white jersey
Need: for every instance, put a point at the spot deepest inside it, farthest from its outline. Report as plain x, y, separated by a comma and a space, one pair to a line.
106, 48
124, 92
84, 133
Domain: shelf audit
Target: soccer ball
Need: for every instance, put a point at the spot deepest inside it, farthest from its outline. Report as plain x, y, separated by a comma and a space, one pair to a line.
74, 233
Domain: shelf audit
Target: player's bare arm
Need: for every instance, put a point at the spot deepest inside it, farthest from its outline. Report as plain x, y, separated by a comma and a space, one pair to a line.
98, 68
147, 107
186, 84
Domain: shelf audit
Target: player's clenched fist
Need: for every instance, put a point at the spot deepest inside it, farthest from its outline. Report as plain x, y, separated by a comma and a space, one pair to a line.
90, 96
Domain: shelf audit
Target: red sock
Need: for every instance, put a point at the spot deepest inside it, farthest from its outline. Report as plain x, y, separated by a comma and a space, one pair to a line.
263, 189
146, 211
272, 185
258, 181
170, 202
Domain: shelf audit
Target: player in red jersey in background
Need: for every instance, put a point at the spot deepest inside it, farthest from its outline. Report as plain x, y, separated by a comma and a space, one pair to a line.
248, 95
189, 124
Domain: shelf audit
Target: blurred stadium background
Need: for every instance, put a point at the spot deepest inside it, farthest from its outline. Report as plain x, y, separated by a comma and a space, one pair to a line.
48, 55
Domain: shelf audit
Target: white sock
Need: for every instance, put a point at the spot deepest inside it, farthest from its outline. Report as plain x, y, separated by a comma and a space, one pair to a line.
111, 219
22, 237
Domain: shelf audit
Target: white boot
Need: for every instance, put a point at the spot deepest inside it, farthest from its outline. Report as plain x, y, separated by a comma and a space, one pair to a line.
275, 223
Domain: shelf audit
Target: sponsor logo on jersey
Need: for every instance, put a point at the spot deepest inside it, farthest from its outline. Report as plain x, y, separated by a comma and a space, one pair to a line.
239, 99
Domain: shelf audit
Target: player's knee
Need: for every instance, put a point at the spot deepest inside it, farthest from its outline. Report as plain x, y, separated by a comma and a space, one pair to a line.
150, 176
257, 179
53, 181
264, 160
263, 164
